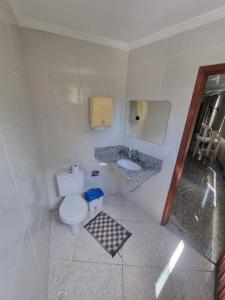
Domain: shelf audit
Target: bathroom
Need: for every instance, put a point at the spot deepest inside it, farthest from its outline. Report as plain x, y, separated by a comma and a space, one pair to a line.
47, 77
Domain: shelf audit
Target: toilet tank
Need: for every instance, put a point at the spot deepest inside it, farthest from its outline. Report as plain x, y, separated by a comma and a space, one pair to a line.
70, 183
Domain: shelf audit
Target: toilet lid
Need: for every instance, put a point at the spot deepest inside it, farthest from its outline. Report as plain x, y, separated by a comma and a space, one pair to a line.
73, 209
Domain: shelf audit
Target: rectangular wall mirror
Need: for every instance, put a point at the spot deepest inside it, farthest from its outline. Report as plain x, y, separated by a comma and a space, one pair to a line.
148, 120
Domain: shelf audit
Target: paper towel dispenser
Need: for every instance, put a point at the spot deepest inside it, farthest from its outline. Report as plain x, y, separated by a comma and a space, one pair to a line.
101, 112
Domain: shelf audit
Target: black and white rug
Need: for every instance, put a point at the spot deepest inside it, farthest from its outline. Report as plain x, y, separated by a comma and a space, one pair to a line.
110, 234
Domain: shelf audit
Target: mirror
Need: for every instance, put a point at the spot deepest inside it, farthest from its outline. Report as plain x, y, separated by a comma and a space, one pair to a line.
147, 120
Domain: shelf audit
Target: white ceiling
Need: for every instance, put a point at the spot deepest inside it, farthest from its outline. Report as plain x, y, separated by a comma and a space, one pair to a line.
122, 21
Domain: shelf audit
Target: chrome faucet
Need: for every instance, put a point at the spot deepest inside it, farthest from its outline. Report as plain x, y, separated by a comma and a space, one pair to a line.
134, 155
123, 151
130, 153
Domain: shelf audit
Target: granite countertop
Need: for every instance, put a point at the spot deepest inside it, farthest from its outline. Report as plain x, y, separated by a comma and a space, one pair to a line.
150, 165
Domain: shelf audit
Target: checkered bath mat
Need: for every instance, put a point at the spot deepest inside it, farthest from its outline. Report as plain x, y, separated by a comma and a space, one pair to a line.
110, 234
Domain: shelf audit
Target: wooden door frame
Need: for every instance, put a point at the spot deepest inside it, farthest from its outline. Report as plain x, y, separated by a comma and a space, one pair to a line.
220, 278
200, 83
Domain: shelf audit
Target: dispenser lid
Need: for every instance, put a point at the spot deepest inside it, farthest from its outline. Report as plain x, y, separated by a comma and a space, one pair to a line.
93, 194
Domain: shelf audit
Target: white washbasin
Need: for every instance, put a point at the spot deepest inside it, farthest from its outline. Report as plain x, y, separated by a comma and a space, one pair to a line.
128, 165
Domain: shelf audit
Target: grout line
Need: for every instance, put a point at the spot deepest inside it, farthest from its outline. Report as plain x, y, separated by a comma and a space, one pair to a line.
11, 44
139, 221
33, 244
31, 280
14, 34
84, 261
167, 56
122, 251
127, 265
123, 265
148, 61
11, 36
17, 191
97, 263
27, 162
12, 58
16, 121
8, 159
123, 295
20, 205
163, 70
161, 267
13, 277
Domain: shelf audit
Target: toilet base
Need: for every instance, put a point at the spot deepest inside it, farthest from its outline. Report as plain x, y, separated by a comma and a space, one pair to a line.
75, 228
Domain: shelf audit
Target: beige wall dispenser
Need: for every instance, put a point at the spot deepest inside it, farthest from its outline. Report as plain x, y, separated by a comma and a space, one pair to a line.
101, 112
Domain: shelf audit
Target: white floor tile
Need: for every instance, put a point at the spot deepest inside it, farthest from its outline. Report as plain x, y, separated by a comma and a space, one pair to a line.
139, 284
189, 258
81, 267
132, 212
59, 274
88, 249
62, 240
195, 285
146, 246
81, 247
86, 281
112, 205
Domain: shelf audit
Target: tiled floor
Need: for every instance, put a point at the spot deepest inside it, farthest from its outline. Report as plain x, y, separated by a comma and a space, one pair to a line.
198, 211
82, 268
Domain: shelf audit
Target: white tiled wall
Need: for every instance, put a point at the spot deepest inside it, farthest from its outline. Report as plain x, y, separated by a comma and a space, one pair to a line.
63, 73
24, 223
167, 70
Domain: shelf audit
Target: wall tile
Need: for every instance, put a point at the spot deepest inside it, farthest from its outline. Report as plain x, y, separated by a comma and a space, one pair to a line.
5, 51
17, 51
12, 229
181, 71
211, 34
181, 57
22, 280
145, 76
148, 53
28, 189
19, 142
31, 40
38, 287
6, 182
12, 106
62, 82
23, 193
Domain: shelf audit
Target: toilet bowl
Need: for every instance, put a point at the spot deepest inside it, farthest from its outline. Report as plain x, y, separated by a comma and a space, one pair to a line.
72, 211
73, 208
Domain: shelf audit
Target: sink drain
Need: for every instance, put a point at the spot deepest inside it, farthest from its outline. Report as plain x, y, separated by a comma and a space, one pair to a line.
61, 295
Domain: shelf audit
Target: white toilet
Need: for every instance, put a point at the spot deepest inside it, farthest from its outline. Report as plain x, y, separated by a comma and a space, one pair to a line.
74, 208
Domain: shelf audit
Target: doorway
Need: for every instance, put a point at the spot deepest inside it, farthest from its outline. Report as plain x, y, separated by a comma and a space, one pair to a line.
196, 200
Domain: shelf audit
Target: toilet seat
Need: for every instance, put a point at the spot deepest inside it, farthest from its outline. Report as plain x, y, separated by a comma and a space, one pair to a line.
73, 209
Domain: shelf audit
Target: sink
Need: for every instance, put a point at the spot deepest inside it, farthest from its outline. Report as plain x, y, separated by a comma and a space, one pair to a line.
128, 165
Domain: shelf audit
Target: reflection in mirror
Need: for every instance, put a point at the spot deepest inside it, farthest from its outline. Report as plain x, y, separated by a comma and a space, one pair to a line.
147, 120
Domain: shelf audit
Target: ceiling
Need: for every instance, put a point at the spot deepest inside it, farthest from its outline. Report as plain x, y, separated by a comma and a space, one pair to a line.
124, 22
